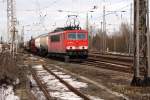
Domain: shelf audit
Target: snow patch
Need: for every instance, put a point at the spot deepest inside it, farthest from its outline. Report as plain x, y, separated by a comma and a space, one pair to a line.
57, 89
35, 90
76, 84
7, 93
71, 81
38, 94
66, 96
38, 66
95, 98
32, 58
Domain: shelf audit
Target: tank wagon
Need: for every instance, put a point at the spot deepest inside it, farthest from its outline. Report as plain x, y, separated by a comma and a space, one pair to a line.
41, 44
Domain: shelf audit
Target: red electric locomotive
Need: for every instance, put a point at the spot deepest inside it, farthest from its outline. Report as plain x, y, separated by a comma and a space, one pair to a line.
72, 43
68, 42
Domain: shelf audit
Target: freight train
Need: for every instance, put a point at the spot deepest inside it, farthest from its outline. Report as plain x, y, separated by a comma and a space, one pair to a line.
68, 42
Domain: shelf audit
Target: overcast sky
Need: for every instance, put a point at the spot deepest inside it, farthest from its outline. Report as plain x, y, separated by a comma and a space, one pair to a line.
42, 16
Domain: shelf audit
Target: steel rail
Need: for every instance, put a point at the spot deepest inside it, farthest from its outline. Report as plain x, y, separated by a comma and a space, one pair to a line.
41, 86
77, 92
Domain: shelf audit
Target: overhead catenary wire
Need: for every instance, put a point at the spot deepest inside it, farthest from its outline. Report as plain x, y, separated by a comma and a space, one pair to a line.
43, 9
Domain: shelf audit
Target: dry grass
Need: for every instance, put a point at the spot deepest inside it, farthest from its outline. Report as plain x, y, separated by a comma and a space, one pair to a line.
9, 71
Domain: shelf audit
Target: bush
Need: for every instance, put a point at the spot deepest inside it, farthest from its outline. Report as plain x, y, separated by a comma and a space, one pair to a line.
9, 72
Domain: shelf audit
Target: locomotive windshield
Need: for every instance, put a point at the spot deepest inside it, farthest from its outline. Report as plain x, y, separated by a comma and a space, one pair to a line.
72, 36
76, 36
81, 36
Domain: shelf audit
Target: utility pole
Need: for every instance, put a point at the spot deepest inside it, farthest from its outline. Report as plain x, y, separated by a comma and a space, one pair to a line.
131, 31
9, 18
11, 23
147, 77
89, 33
141, 43
22, 35
104, 29
1, 40
101, 26
87, 21
114, 37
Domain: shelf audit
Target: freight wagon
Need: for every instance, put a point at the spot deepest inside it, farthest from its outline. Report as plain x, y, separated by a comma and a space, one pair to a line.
41, 43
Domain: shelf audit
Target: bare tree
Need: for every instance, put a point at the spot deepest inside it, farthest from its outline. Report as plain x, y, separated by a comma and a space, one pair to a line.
118, 42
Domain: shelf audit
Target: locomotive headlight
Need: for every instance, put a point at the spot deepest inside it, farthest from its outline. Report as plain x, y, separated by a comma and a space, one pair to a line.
83, 47
70, 47
73, 47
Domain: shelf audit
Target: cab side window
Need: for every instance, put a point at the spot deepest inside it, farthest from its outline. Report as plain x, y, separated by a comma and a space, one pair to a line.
55, 38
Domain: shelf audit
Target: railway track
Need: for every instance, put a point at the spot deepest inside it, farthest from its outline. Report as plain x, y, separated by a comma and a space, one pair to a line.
111, 62
40, 84
121, 63
53, 70
112, 54
74, 92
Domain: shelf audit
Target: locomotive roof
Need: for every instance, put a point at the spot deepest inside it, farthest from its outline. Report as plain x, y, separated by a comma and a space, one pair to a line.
42, 35
66, 28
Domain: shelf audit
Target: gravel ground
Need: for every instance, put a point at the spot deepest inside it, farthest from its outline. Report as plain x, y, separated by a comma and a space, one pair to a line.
113, 80
91, 90
31, 60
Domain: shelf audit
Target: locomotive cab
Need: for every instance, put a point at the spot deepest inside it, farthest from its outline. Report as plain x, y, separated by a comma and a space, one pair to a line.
77, 43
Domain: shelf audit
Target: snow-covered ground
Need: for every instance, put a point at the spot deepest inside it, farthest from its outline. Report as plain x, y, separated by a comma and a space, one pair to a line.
57, 89
35, 90
7, 93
